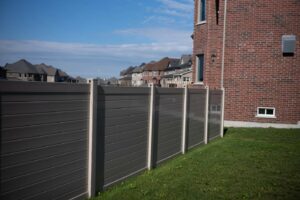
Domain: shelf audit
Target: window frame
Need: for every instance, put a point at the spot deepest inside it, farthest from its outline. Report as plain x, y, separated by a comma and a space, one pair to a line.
265, 115
199, 12
198, 81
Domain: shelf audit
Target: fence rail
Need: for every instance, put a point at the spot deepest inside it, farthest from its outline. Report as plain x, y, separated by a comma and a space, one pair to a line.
67, 141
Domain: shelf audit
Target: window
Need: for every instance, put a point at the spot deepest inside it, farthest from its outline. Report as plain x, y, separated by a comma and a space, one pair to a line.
200, 68
215, 109
265, 112
186, 79
217, 2
201, 11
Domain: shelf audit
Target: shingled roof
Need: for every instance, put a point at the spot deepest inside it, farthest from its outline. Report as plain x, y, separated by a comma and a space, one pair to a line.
161, 65
127, 71
49, 70
61, 73
22, 66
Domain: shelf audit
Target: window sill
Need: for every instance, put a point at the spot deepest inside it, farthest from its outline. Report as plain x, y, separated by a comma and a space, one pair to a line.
200, 23
264, 116
199, 83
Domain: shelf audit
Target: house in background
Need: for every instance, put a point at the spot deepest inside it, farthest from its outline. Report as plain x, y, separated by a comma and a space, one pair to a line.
126, 77
178, 79
137, 76
24, 71
154, 71
252, 50
80, 79
63, 76
52, 72
179, 75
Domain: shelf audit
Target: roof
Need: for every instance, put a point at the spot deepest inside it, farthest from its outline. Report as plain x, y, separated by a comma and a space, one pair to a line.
186, 59
81, 79
182, 66
49, 70
161, 65
62, 73
138, 69
127, 78
22, 66
168, 76
127, 71
179, 73
182, 72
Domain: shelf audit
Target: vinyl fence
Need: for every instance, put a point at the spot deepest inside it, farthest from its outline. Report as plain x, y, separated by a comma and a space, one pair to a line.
69, 141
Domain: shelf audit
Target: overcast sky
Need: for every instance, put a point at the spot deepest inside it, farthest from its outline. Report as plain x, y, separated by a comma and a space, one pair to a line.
94, 37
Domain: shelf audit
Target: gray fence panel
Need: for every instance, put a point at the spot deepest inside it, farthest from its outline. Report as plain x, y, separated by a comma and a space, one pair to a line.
195, 117
167, 123
123, 125
214, 114
43, 140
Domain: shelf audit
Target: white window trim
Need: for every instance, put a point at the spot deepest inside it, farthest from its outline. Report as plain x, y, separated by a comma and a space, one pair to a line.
197, 66
199, 22
265, 115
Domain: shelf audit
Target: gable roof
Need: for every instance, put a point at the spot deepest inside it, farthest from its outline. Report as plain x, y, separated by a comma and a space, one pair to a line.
22, 66
49, 70
161, 65
185, 59
139, 69
61, 73
127, 71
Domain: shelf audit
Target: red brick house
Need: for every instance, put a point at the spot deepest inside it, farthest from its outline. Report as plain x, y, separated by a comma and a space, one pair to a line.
255, 57
154, 71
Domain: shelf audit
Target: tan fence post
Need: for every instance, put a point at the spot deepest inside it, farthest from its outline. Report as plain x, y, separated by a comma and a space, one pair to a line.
222, 113
184, 120
150, 126
92, 137
206, 116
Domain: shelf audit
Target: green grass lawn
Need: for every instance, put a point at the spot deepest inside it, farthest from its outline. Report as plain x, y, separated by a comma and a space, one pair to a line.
245, 164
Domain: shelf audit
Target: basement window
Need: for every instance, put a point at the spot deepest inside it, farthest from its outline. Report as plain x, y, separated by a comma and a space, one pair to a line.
266, 112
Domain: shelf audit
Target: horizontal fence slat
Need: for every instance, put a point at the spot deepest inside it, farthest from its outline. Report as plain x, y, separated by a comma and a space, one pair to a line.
121, 136
8, 108
37, 119
40, 154
43, 97
66, 191
31, 190
39, 142
120, 152
41, 87
122, 90
26, 168
41, 130
40, 176
124, 169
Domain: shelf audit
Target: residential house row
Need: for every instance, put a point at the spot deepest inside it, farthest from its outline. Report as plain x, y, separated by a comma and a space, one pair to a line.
167, 72
23, 70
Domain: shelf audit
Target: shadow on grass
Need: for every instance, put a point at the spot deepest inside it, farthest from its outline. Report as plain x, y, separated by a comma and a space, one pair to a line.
225, 131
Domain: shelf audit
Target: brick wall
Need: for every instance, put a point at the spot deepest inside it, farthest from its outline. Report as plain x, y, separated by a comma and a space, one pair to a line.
256, 74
